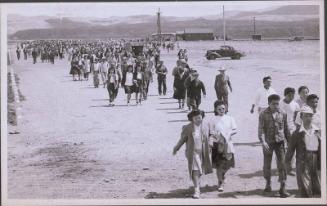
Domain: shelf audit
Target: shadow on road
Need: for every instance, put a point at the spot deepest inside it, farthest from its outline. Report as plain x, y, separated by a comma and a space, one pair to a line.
100, 99
100, 105
252, 144
179, 193
167, 109
181, 120
166, 98
118, 105
259, 173
168, 103
255, 192
180, 112
187, 193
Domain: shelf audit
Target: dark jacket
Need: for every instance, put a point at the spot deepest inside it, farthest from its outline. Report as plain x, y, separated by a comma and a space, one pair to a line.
161, 71
194, 89
274, 130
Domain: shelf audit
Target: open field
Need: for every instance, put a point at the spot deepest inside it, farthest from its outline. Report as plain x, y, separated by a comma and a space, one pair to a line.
72, 145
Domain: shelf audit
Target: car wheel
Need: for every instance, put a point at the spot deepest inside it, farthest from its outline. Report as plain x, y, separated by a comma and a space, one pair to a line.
212, 57
237, 56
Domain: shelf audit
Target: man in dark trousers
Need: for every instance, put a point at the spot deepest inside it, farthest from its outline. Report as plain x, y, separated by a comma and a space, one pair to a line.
222, 83
273, 126
162, 71
194, 91
34, 55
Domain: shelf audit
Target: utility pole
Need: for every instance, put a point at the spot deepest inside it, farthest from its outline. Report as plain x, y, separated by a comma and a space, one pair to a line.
253, 25
224, 24
159, 25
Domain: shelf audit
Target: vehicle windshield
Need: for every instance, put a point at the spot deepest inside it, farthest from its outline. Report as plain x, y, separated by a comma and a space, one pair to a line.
226, 47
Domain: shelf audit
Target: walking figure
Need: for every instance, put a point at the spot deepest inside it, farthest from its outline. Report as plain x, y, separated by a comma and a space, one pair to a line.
222, 83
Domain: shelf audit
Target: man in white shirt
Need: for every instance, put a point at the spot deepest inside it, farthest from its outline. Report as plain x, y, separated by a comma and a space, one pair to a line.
290, 107
306, 142
312, 101
104, 67
262, 94
303, 92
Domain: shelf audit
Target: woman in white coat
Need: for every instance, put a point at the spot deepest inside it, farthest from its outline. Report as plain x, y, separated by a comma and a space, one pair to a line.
221, 129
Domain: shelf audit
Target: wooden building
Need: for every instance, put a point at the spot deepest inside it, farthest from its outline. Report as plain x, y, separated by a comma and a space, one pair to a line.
256, 37
196, 34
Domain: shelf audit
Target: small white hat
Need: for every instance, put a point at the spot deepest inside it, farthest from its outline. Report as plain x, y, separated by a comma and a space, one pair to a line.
222, 69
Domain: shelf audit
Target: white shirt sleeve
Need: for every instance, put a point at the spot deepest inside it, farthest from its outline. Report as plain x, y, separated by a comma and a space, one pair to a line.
232, 123
298, 120
257, 97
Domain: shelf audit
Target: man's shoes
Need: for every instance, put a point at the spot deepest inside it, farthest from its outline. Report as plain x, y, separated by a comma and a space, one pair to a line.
196, 193
220, 188
282, 191
267, 188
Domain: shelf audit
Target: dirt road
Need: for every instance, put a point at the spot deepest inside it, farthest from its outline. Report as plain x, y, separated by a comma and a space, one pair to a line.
72, 145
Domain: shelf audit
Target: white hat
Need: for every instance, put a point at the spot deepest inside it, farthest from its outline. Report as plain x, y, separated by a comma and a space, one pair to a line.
306, 109
222, 69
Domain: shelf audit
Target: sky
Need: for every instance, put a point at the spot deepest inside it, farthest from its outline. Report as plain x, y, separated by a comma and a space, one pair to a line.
178, 9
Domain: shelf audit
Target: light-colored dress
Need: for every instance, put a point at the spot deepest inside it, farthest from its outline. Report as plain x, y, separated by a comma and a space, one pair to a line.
225, 125
197, 160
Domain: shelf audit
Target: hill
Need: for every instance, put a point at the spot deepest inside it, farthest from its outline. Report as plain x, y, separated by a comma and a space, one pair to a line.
279, 22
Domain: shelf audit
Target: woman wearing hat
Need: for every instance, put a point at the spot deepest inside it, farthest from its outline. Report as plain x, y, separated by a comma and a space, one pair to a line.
221, 130
195, 137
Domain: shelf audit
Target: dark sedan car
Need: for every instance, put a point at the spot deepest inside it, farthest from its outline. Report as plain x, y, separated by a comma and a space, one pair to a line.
224, 51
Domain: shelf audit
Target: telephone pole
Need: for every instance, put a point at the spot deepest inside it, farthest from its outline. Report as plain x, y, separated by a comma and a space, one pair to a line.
159, 25
253, 25
224, 24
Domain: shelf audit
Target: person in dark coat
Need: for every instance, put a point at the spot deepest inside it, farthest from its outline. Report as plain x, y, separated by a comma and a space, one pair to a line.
273, 134
307, 144
139, 84
179, 87
18, 53
34, 55
161, 71
194, 90
222, 83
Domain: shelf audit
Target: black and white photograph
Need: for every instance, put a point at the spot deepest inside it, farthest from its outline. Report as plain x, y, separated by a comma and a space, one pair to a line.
176, 102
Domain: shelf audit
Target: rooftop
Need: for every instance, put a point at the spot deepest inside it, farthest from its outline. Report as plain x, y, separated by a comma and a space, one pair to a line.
198, 30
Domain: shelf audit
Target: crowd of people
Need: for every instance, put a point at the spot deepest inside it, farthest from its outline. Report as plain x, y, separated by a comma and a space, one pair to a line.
285, 125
